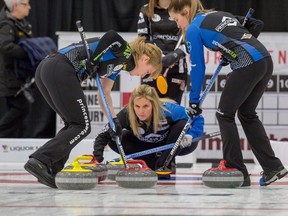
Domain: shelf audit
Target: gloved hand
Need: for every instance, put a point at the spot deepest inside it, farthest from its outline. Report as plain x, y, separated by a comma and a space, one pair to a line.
194, 109
82, 74
99, 156
172, 57
186, 141
118, 128
224, 62
91, 68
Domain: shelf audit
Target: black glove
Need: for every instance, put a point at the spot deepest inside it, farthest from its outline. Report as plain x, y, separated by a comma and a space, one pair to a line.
102, 140
82, 74
118, 128
99, 157
91, 68
224, 61
172, 57
194, 109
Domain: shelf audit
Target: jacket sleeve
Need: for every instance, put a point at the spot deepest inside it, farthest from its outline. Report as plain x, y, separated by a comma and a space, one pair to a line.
143, 26
177, 112
111, 40
197, 72
102, 139
197, 127
8, 46
254, 26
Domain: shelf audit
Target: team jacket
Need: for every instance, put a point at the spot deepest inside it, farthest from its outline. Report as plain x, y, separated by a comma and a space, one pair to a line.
111, 53
173, 113
161, 30
11, 32
223, 32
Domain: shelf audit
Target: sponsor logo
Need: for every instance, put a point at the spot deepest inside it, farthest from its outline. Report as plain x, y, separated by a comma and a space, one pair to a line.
141, 18
141, 130
166, 37
8, 148
5, 148
87, 123
226, 21
230, 52
156, 18
189, 46
246, 36
127, 52
118, 67
110, 68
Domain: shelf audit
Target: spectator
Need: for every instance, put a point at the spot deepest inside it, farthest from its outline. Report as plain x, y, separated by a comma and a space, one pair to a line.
13, 28
159, 28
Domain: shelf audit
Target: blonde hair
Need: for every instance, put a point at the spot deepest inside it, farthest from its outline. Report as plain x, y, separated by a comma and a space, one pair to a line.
140, 47
148, 9
149, 93
177, 6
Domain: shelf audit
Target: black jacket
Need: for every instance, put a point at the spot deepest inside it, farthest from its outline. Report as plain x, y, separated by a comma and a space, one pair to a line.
11, 32
161, 30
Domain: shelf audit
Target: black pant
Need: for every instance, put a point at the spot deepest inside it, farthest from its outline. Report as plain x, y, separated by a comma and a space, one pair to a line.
58, 83
12, 121
131, 144
242, 92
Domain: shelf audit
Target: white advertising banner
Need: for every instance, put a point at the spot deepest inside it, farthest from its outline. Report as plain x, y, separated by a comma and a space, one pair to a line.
18, 150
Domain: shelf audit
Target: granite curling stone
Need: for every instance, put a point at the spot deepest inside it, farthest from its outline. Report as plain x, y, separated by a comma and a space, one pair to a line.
223, 177
100, 169
113, 168
142, 177
74, 177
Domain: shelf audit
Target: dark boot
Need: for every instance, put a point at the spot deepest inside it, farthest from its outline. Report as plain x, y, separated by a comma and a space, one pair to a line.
41, 172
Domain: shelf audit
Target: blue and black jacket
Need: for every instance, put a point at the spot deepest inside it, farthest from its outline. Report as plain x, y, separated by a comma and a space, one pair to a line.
172, 113
111, 53
223, 32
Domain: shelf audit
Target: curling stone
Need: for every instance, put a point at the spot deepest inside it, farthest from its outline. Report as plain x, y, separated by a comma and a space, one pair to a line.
99, 169
76, 178
142, 177
223, 177
113, 168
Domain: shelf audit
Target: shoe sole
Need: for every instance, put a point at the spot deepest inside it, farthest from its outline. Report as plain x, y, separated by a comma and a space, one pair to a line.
29, 168
277, 176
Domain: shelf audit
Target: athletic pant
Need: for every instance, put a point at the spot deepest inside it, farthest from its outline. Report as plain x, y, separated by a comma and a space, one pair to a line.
131, 144
59, 85
242, 92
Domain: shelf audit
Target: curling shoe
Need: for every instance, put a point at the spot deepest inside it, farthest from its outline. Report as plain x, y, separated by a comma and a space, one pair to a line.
41, 172
272, 176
